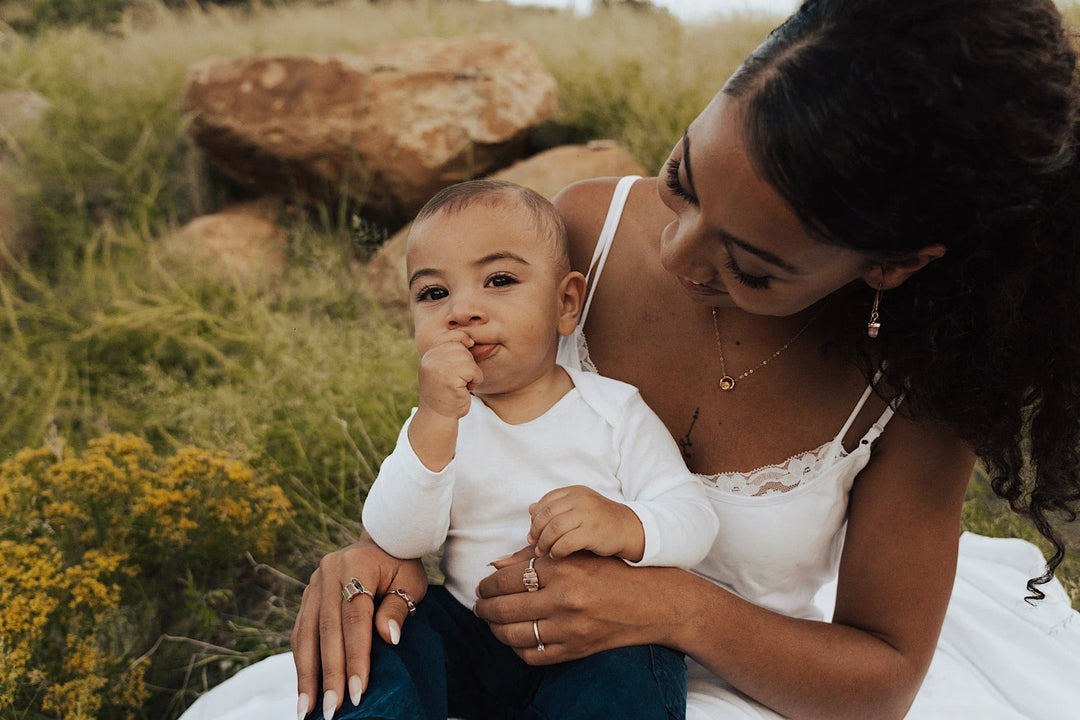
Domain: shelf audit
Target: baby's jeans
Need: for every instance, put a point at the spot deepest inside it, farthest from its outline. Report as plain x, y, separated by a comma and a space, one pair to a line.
449, 665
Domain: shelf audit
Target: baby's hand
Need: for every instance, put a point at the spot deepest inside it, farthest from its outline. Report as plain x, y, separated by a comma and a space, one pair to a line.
447, 371
579, 518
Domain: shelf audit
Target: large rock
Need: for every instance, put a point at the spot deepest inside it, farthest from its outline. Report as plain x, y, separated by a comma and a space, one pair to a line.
22, 113
388, 129
547, 173
241, 244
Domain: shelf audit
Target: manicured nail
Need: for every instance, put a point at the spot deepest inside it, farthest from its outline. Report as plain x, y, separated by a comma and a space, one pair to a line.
329, 705
504, 558
356, 689
302, 706
395, 632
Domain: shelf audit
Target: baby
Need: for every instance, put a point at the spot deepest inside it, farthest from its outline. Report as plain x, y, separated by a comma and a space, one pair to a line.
507, 448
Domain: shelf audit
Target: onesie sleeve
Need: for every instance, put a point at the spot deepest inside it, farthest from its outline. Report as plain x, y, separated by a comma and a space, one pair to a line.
680, 524
407, 511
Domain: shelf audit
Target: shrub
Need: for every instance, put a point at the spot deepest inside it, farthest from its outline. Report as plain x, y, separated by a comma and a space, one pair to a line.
95, 552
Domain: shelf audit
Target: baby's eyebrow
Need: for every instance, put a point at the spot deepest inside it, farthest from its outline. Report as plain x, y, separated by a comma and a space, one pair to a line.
422, 273
486, 260
501, 255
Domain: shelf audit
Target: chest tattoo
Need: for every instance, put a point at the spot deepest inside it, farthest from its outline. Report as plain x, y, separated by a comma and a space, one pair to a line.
684, 441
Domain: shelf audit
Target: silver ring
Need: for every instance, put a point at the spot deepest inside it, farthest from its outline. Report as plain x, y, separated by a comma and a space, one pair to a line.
408, 600
353, 588
530, 579
536, 634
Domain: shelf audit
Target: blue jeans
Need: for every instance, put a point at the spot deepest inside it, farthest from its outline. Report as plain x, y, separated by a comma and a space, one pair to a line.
448, 664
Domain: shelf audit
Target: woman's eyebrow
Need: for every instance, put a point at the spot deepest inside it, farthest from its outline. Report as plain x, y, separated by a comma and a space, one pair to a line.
761, 253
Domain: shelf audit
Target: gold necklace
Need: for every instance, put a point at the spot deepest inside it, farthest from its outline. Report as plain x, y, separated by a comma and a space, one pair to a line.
726, 382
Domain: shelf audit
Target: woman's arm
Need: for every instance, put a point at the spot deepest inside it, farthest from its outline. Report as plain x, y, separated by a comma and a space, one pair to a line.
331, 638
895, 581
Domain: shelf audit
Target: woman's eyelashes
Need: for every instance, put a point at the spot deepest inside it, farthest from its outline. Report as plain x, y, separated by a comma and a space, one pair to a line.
674, 185
755, 282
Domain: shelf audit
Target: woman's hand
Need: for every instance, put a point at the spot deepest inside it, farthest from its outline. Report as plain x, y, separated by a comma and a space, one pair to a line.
585, 604
333, 635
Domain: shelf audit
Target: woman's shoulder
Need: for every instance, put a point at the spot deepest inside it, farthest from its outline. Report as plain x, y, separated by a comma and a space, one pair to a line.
584, 206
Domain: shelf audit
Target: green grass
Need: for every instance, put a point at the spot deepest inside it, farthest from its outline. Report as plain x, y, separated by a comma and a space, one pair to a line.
305, 374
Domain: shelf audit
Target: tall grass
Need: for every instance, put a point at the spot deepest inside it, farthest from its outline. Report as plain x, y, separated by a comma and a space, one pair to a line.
104, 332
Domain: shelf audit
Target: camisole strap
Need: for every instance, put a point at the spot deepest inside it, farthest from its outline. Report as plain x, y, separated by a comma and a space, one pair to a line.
603, 244
881, 422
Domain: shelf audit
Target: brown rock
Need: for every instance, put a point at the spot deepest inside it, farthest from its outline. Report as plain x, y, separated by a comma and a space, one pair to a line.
388, 129
21, 113
547, 173
239, 244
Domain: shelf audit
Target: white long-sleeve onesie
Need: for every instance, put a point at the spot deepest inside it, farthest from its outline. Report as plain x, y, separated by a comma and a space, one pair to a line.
600, 434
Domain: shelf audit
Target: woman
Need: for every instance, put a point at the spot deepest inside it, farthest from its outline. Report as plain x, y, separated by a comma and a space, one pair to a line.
857, 274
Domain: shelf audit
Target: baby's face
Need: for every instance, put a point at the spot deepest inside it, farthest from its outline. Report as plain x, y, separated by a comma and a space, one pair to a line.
486, 271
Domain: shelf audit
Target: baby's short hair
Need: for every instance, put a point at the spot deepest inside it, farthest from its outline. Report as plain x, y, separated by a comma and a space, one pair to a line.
492, 193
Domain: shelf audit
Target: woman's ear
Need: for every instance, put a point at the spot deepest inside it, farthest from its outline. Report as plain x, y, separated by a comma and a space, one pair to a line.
571, 297
893, 272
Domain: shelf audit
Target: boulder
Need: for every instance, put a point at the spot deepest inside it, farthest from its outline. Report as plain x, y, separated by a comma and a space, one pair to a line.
240, 244
22, 113
547, 173
386, 129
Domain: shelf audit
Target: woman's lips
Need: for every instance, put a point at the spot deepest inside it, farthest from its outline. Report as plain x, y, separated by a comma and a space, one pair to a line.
482, 351
696, 289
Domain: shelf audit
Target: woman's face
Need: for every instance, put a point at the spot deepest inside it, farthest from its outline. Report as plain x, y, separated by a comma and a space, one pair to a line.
734, 241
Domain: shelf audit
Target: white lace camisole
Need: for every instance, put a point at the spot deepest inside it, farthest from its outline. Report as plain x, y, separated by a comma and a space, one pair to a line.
781, 526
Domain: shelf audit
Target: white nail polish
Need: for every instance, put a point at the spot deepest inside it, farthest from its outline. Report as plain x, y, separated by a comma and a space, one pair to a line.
302, 706
395, 632
356, 689
329, 705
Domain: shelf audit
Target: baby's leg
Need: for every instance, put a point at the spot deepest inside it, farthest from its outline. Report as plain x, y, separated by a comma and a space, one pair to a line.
644, 681
448, 664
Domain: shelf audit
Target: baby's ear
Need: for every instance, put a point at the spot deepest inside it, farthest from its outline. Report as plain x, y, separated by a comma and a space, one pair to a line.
571, 298
892, 273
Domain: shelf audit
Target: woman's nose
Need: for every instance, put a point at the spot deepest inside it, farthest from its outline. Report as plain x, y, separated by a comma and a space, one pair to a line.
683, 253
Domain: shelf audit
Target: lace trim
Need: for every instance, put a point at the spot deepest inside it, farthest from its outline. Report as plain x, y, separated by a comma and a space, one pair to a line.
775, 479
768, 480
583, 352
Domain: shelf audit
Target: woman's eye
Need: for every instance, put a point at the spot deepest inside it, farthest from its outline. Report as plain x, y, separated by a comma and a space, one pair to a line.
673, 183
431, 293
501, 280
755, 282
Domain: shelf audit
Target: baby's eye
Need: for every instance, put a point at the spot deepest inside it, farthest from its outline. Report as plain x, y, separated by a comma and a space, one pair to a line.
431, 293
501, 280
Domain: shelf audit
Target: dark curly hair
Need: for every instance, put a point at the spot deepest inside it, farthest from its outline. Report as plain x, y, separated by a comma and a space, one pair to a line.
891, 125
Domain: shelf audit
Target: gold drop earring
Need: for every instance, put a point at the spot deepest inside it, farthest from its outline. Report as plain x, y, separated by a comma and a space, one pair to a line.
874, 327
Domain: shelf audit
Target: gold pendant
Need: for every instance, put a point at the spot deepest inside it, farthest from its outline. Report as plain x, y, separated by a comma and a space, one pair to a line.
726, 383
